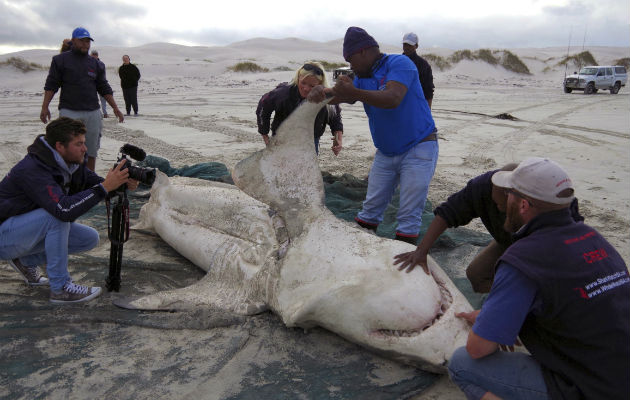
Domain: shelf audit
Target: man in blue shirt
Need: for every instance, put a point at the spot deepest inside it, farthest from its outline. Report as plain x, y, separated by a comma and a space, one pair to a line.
80, 78
402, 129
562, 289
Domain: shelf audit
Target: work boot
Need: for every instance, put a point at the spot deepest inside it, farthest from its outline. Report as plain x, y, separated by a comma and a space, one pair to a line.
74, 293
407, 238
31, 275
366, 225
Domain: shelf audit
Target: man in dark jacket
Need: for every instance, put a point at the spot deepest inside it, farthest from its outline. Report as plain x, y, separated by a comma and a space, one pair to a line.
410, 45
562, 289
479, 199
41, 197
80, 78
129, 77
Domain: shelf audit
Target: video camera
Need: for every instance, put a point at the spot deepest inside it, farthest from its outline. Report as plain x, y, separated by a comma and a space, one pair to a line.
119, 232
143, 175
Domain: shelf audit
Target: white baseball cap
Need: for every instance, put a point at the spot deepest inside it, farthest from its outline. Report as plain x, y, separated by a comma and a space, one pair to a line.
538, 178
410, 38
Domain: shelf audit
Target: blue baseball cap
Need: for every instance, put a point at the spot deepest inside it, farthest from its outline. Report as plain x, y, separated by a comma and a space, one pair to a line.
81, 33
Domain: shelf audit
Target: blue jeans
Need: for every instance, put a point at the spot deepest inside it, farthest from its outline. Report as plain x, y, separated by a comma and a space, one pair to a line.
38, 238
413, 170
512, 376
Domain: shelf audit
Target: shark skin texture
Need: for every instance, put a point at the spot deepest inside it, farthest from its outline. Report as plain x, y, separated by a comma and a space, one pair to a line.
269, 243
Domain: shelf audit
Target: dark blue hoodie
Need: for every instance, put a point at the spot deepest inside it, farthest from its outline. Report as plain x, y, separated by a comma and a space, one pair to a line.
38, 181
80, 77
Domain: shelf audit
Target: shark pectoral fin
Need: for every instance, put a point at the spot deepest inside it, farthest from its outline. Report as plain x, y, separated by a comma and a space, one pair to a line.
198, 295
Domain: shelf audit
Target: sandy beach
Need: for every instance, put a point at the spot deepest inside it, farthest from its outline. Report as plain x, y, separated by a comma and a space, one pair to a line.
193, 109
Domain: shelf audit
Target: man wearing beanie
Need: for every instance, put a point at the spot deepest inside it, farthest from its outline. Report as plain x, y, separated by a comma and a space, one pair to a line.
402, 129
562, 289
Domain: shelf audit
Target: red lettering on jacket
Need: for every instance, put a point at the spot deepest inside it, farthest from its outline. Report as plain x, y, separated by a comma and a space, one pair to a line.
583, 293
595, 255
52, 194
580, 238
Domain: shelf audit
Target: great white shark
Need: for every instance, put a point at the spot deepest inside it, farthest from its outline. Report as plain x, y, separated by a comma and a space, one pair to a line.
269, 243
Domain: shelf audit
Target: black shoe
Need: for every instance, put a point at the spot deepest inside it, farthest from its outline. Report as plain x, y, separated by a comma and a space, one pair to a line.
366, 225
409, 239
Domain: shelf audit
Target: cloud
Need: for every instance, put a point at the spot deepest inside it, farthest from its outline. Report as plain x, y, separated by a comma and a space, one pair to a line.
118, 23
47, 23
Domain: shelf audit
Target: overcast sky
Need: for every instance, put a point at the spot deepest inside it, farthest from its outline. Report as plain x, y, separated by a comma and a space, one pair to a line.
454, 24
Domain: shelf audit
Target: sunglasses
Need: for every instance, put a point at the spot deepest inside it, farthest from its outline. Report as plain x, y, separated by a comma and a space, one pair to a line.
314, 69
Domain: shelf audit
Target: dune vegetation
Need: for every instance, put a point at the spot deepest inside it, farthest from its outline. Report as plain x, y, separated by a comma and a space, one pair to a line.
247, 66
21, 64
623, 61
578, 60
503, 58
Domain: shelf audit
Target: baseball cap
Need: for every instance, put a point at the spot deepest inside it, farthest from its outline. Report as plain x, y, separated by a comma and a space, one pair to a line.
80, 33
539, 178
410, 38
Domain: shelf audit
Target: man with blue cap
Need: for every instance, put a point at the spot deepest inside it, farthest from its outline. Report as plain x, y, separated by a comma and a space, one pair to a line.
402, 129
80, 78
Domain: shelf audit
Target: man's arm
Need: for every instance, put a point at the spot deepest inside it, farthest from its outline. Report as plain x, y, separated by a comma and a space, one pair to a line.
477, 346
44, 114
345, 92
112, 103
410, 259
38, 184
501, 318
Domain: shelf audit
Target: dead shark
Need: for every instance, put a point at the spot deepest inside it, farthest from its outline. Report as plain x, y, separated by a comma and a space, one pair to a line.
269, 243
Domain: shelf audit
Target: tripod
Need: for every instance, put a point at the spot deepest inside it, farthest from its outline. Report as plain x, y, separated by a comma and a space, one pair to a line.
118, 235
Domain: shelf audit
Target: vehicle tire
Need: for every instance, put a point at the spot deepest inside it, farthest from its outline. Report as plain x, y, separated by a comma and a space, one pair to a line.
589, 89
567, 90
595, 90
615, 88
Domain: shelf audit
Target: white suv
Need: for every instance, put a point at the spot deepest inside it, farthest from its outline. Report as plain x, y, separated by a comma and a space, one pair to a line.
591, 79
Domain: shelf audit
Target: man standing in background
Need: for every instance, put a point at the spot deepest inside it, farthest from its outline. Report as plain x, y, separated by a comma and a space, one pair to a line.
129, 77
80, 78
94, 54
410, 45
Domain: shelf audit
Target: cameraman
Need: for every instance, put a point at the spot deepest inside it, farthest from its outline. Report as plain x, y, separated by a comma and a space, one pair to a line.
41, 197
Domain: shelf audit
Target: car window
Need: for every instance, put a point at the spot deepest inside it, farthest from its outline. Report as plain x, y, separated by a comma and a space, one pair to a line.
620, 70
609, 71
601, 72
588, 71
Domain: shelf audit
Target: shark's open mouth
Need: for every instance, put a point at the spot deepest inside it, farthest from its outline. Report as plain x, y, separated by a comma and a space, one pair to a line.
445, 302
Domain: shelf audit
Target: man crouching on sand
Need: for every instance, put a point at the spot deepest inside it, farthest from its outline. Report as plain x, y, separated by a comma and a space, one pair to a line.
562, 289
41, 197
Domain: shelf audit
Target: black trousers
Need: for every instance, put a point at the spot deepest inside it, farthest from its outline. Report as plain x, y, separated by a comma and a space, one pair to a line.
131, 99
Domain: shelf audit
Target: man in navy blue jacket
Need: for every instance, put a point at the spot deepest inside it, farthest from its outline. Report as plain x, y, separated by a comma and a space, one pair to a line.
80, 78
562, 289
41, 197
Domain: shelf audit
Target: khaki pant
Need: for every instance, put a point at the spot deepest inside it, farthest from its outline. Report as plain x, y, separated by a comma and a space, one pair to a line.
480, 272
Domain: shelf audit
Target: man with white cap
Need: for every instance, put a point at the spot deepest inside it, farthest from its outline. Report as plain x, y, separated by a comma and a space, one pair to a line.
562, 289
425, 73
80, 78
